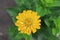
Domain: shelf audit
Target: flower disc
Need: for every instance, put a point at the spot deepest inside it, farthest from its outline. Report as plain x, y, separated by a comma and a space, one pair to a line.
28, 22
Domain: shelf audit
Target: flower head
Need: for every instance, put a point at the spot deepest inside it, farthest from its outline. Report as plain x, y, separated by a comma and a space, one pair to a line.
28, 22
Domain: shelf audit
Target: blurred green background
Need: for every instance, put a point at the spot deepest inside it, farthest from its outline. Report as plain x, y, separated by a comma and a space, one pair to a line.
49, 10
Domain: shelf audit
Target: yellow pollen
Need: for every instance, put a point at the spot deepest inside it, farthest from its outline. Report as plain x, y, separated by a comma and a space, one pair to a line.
28, 22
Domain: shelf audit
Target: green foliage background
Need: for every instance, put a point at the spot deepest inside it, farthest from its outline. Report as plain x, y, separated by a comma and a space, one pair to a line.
49, 10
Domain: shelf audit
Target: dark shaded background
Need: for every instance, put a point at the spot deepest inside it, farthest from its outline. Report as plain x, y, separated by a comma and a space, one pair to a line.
5, 19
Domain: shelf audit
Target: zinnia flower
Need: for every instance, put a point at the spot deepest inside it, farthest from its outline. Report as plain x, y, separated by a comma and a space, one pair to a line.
28, 22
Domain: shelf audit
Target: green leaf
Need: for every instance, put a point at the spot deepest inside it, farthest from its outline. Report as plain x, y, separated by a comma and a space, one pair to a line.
42, 11
54, 31
57, 24
47, 22
27, 37
13, 13
45, 33
55, 4
47, 3
19, 36
35, 36
19, 2
24, 3
15, 35
12, 31
51, 3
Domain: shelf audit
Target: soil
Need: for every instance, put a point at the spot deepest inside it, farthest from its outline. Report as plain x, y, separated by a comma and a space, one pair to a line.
5, 19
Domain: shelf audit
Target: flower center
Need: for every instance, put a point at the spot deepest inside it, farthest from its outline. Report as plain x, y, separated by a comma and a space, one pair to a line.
28, 22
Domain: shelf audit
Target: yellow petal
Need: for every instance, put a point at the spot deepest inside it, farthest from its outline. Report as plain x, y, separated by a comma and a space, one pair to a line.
28, 21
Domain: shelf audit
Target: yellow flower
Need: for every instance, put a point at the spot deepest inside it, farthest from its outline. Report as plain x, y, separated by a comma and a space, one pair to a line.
28, 22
